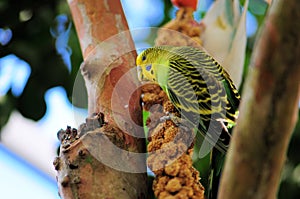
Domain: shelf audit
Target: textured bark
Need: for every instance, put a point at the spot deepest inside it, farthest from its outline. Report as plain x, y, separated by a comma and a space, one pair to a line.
108, 150
86, 167
269, 108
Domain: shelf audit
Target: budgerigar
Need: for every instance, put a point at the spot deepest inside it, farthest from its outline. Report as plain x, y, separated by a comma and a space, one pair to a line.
197, 85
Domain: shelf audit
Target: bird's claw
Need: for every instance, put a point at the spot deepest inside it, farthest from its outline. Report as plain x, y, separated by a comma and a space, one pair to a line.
171, 117
221, 120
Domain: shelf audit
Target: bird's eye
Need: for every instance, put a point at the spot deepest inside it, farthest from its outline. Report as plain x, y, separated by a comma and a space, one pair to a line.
148, 68
144, 58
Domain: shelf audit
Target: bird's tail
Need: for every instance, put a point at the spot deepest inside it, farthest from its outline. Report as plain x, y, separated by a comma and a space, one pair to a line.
217, 162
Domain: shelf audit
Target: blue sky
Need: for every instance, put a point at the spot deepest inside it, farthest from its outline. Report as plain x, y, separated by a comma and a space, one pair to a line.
19, 179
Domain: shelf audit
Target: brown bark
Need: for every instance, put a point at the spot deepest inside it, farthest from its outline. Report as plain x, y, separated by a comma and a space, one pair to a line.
108, 52
269, 108
106, 159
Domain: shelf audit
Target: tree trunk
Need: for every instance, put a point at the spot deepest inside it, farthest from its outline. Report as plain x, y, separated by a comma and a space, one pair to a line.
106, 159
269, 108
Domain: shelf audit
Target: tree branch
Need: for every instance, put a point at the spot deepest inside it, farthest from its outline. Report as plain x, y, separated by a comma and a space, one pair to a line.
108, 150
269, 108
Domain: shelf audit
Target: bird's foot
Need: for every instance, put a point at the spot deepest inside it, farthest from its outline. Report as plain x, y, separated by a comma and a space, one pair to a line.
170, 116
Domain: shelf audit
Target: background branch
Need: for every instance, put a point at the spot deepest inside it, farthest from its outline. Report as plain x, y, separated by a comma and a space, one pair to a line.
269, 108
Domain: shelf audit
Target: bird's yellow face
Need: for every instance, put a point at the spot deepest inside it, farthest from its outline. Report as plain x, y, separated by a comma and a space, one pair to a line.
153, 65
146, 66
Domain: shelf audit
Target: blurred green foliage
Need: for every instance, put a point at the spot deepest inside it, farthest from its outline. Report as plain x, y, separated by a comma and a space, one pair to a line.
290, 178
32, 42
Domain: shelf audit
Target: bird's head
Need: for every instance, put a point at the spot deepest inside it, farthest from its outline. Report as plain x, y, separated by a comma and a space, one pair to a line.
151, 64
146, 65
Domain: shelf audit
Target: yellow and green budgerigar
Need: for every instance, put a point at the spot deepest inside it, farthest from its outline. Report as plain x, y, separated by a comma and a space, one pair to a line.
201, 90
197, 85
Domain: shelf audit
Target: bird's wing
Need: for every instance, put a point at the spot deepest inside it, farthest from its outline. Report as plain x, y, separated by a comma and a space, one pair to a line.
190, 108
197, 91
202, 61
